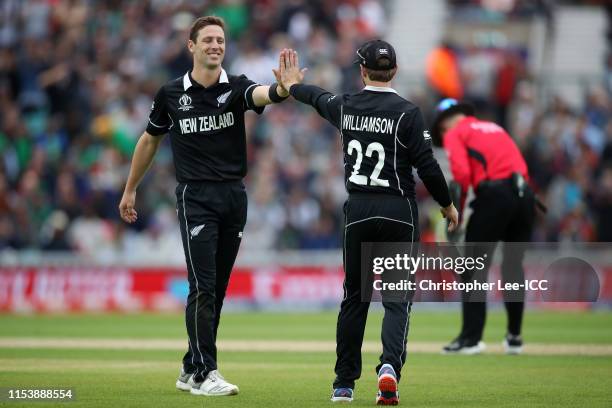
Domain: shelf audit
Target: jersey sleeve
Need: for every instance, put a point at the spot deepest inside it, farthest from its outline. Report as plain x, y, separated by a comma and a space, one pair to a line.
159, 121
246, 87
417, 141
327, 104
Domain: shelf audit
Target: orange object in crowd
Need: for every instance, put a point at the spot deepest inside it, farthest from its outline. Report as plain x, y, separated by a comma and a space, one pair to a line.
443, 73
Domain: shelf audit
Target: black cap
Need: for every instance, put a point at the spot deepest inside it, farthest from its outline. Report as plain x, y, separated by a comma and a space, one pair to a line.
445, 109
371, 55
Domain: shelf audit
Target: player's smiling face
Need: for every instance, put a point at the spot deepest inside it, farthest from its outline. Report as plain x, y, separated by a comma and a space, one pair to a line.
209, 48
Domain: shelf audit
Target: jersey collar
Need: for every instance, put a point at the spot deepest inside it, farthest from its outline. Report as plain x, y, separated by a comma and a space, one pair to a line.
187, 80
379, 89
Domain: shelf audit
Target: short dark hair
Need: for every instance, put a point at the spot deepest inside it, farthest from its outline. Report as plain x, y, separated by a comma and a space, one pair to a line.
202, 22
385, 75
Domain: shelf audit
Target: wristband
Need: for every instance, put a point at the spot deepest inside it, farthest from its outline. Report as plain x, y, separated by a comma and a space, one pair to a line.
273, 94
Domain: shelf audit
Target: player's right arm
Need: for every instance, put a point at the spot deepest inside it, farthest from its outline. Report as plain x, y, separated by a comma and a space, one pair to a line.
146, 148
145, 151
326, 104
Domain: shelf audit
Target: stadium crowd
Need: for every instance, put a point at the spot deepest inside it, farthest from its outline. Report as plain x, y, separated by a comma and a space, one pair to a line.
76, 84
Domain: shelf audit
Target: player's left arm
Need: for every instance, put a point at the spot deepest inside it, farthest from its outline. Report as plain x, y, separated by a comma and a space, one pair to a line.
268, 94
417, 142
256, 96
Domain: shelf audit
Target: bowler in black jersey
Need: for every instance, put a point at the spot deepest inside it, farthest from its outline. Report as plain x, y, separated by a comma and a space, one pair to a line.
203, 111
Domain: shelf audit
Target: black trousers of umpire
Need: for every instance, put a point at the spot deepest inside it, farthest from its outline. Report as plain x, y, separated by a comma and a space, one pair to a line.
499, 215
371, 218
212, 216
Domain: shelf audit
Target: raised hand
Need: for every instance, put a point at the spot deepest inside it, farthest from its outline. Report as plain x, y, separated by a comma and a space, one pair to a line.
277, 74
289, 68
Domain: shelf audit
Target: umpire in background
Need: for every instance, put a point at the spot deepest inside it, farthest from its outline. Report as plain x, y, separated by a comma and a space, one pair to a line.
484, 156
383, 138
203, 111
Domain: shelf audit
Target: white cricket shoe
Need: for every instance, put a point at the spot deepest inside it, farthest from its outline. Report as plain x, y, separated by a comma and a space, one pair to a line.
513, 344
214, 385
464, 346
184, 382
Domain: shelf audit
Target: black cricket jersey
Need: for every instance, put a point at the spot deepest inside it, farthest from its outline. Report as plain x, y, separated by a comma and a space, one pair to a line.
383, 138
206, 126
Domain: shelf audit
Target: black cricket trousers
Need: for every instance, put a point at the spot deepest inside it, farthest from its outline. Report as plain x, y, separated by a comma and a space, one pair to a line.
371, 218
212, 216
499, 215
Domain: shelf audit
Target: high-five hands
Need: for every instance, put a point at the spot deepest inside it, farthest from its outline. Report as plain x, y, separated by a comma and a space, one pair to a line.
289, 72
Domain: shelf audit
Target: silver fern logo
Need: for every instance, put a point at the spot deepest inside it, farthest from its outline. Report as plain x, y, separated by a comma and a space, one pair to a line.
222, 98
196, 230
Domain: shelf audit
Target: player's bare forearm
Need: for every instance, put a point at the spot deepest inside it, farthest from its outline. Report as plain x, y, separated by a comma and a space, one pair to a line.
261, 95
141, 160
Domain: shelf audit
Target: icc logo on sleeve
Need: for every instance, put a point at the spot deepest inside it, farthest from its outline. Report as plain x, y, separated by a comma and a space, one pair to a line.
185, 103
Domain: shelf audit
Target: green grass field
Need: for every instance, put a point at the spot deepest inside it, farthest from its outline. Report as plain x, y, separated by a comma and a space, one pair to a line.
128, 378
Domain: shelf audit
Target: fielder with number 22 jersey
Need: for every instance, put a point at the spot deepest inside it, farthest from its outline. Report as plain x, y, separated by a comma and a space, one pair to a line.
383, 138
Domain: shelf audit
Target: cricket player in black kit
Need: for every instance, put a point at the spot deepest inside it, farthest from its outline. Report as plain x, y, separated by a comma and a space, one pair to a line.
203, 111
383, 138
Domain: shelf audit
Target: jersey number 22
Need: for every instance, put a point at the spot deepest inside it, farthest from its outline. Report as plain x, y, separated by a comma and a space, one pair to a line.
360, 179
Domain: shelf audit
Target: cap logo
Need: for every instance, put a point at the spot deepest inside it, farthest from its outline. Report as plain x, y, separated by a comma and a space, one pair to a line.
361, 56
383, 51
